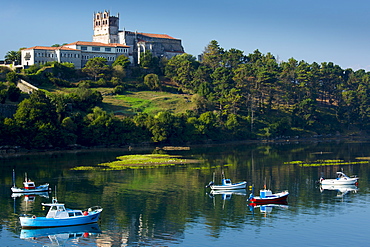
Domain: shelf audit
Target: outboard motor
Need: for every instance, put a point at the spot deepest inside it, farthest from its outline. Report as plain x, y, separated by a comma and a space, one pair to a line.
210, 183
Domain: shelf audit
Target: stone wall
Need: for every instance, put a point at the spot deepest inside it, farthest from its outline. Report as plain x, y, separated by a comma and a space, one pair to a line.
26, 87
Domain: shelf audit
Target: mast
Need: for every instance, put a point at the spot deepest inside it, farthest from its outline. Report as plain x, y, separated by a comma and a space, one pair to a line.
13, 178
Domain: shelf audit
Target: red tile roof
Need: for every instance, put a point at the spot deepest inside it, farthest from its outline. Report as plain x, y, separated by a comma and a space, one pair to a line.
87, 43
153, 35
50, 48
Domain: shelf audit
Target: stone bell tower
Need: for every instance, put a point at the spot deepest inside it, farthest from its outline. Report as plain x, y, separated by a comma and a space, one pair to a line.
105, 28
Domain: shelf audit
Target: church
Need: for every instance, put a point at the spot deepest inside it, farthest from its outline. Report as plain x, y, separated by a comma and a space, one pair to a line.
108, 42
106, 30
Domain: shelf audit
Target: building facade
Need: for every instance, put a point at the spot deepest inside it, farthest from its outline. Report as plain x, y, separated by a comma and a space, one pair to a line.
77, 53
106, 30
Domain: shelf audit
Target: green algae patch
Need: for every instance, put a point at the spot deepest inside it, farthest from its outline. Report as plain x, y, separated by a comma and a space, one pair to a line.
326, 163
140, 162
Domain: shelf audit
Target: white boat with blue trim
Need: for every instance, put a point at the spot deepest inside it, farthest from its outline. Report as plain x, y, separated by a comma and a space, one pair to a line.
58, 215
226, 184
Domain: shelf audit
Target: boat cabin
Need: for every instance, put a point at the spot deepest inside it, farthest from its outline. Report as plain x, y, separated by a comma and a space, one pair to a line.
341, 175
29, 185
265, 193
226, 181
58, 210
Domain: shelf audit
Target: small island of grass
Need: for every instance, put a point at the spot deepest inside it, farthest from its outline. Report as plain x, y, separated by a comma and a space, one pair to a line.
139, 161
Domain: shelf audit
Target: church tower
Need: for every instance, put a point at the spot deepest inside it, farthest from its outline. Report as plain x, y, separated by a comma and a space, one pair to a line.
105, 28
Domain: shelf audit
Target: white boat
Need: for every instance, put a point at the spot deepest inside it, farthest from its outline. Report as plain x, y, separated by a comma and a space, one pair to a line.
342, 179
29, 186
226, 184
58, 215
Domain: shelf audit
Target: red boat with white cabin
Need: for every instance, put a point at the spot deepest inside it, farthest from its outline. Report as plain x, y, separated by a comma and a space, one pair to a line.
266, 196
29, 186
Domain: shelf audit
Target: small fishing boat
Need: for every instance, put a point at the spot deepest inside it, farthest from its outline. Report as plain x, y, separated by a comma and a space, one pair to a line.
226, 184
266, 196
342, 179
29, 186
58, 215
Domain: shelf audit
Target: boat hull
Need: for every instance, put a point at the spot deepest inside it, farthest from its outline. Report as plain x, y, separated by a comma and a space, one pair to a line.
41, 188
278, 197
42, 222
349, 181
241, 185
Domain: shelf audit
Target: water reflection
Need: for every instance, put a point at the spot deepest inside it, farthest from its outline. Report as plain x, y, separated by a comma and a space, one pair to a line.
266, 209
169, 205
226, 194
59, 236
30, 197
342, 190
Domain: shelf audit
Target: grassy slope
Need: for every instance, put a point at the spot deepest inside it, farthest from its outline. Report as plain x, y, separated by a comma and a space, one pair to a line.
150, 102
131, 102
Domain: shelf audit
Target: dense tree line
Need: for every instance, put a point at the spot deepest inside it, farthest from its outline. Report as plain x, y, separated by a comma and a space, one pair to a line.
237, 97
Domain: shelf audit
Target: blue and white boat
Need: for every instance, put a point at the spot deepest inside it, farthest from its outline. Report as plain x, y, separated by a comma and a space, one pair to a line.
226, 184
58, 215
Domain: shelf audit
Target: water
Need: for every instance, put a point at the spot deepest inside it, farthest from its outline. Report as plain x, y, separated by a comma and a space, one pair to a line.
170, 206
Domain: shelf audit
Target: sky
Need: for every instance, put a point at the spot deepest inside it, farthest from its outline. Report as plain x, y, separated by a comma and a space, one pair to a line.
313, 31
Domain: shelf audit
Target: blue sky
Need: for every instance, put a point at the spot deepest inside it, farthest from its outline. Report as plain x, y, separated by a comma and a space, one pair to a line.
313, 31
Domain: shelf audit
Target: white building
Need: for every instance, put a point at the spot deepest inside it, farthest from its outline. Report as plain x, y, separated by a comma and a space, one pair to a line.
77, 53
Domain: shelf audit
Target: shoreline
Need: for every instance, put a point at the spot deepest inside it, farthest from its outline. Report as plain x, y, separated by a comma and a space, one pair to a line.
13, 151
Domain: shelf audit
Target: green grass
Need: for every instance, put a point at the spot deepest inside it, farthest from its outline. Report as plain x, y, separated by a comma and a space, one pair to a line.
326, 163
139, 162
149, 102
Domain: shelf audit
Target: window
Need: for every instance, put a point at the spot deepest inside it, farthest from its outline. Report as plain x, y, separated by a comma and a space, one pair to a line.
78, 214
83, 48
96, 48
71, 214
108, 49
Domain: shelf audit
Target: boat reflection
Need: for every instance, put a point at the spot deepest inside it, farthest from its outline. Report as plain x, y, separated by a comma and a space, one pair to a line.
226, 194
59, 235
341, 189
267, 208
30, 197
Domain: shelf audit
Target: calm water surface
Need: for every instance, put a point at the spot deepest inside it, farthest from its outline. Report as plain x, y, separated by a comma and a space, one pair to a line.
170, 206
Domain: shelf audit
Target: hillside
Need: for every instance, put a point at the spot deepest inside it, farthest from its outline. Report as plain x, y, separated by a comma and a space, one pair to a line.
150, 102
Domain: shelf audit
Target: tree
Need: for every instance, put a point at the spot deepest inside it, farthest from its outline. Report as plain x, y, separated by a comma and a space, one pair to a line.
152, 81
96, 67
122, 60
213, 55
13, 93
233, 57
149, 62
181, 69
13, 57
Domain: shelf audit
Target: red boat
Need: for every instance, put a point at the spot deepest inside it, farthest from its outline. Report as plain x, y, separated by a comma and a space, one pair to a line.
266, 196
